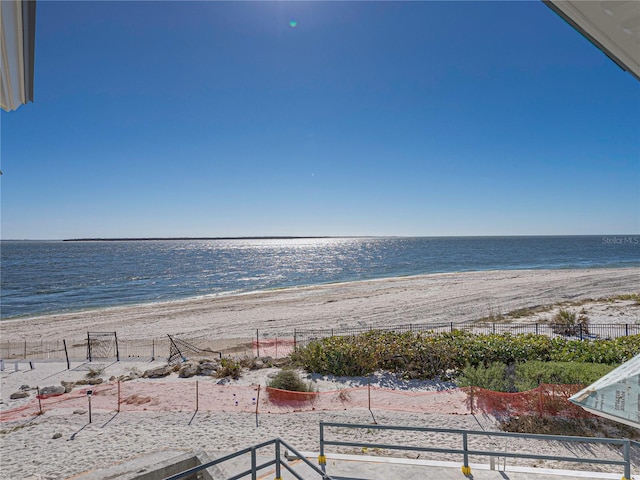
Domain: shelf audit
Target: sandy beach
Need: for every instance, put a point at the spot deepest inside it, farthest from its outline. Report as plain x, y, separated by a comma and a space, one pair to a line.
62, 443
30, 451
426, 299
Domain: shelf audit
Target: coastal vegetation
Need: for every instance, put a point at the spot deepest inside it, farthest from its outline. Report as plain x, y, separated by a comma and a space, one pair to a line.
520, 377
581, 427
496, 316
498, 362
287, 379
567, 322
445, 356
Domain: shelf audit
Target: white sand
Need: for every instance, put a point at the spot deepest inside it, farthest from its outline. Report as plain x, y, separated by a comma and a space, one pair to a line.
426, 299
28, 451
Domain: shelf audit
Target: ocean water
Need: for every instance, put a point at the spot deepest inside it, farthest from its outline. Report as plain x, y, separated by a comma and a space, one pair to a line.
42, 277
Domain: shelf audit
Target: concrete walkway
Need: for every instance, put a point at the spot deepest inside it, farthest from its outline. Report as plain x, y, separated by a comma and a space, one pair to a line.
359, 467
164, 463
341, 467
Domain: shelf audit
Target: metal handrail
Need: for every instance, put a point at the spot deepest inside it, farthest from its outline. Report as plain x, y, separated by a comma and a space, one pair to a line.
255, 468
465, 452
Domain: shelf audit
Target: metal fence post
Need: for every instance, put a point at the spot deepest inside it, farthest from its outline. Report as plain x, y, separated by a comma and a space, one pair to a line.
466, 469
39, 400
66, 353
115, 335
627, 459
254, 473
322, 459
580, 329
278, 474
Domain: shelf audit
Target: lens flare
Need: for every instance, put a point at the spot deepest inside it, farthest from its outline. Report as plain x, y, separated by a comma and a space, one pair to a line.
293, 24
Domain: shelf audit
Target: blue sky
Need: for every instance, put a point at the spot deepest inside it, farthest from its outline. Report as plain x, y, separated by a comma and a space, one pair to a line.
365, 118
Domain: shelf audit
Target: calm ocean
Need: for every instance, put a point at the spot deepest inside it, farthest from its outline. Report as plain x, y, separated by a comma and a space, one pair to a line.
40, 277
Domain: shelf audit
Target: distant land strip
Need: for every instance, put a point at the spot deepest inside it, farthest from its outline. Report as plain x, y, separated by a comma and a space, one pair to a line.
188, 238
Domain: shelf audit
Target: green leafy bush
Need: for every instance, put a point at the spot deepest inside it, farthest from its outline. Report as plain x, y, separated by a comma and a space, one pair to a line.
617, 350
524, 376
566, 322
445, 355
289, 380
496, 376
531, 374
229, 368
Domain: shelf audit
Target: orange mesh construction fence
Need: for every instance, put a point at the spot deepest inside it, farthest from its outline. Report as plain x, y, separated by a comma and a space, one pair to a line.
207, 396
547, 400
273, 347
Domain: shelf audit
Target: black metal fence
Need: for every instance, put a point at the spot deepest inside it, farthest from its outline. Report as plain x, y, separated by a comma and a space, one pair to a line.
575, 331
131, 349
278, 344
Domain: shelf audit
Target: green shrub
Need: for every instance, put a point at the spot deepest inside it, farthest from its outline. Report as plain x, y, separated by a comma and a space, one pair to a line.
525, 376
531, 374
496, 376
566, 322
445, 355
581, 427
617, 350
289, 380
229, 368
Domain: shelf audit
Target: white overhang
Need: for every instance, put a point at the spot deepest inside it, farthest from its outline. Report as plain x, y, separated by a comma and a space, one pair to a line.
611, 25
17, 32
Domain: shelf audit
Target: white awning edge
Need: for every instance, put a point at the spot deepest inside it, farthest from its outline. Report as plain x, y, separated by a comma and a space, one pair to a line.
613, 27
17, 32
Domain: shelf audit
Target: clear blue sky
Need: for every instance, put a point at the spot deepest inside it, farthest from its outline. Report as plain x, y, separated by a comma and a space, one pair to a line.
227, 119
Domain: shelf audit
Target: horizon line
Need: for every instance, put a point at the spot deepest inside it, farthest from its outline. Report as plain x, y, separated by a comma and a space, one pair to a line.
302, 237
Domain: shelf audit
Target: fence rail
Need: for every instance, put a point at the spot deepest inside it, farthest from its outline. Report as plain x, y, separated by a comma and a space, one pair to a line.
238, 347
277, 344
277, 461
577, 331
465, 451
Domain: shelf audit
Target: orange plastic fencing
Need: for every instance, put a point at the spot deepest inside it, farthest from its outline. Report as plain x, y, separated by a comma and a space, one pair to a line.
544, 401
273, 347
207, 396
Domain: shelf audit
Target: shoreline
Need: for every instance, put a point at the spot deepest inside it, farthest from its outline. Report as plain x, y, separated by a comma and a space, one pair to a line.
455, 297
239, 294
43, 446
